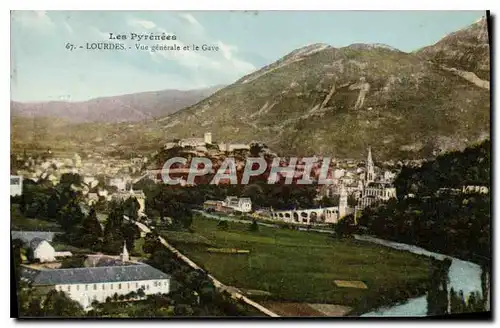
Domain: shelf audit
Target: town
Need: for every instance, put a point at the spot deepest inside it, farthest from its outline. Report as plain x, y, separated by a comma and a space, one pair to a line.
242, 171
111, 187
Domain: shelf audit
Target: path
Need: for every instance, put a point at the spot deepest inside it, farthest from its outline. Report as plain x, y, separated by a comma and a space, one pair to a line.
234, 294
230, 219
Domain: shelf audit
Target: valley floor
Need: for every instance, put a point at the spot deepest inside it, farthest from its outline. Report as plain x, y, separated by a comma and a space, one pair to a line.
290, 269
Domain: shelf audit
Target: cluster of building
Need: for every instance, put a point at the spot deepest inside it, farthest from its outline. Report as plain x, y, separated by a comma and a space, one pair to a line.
100, 277
52, 168
93, 187
366, 185
230, 204
201, 144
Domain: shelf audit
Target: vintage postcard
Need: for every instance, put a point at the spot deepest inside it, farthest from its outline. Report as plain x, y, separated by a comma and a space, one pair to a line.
250, 164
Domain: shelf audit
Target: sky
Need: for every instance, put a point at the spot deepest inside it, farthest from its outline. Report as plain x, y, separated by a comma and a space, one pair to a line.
43, 69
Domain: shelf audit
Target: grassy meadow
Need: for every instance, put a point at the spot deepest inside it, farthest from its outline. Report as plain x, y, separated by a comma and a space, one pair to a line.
299, 266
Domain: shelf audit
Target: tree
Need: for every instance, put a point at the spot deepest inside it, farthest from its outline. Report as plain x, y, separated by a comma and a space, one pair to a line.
345, 227
254, 226
130, 233
91, 231
131, 208
255, 192
57, 304
17, 245
222, 225
73, 262
29, 304
151, 244
113, 234
183, 310
255, 149
70, 216
71, 179
329, 201
437, 295
351, 201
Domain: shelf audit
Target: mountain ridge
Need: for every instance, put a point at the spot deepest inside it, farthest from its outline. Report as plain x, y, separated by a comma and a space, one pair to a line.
321, 100
120, 108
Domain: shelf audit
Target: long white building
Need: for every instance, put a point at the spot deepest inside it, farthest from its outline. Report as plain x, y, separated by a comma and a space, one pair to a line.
86, 285
104, 278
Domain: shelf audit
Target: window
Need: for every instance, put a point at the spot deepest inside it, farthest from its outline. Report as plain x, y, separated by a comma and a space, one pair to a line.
111, 286
95, 286
147, 287
86, 287
119, 286
128, 285
165, 283
103, 286
77, 287
69, 288
136, 285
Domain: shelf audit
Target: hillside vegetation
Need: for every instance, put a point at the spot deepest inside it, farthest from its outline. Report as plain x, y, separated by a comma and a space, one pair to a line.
330, 101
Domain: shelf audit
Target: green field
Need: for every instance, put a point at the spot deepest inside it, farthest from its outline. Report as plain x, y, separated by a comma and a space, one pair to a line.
298, 266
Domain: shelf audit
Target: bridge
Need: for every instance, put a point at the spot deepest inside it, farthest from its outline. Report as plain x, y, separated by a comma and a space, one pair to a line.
308, 216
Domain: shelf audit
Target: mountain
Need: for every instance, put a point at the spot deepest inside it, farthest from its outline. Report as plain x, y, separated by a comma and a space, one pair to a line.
466, 50
329, 101
123, 108
338, 101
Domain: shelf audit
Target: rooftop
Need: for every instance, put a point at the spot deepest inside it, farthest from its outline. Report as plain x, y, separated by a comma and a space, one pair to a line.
93, 275
28, 236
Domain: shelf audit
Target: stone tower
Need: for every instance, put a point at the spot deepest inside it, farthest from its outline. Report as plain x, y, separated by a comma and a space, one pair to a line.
343, 203
125, 257
370, 169
208, 138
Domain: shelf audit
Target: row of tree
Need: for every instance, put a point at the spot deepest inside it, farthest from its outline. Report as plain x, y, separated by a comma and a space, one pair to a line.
456, 224
65, 205
451, 170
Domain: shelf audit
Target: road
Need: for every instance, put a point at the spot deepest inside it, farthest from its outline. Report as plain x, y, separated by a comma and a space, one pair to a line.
235, 294
230, 219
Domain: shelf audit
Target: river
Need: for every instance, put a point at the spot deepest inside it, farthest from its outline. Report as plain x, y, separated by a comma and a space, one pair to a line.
463, 275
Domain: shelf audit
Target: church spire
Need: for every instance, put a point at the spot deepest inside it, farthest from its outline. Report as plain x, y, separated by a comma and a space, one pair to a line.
125, 257
369, 160
370, 170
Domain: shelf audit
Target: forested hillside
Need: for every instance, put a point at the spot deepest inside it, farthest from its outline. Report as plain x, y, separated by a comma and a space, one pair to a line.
447, 220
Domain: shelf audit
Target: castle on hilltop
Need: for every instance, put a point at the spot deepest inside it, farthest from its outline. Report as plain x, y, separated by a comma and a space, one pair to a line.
201, 144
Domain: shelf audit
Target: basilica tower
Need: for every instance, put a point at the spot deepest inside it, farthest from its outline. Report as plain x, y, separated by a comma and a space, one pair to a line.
370, 168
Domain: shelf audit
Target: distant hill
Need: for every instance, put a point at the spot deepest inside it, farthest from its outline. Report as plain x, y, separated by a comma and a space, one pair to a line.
337, 101
333, 101
467, 50
124, 108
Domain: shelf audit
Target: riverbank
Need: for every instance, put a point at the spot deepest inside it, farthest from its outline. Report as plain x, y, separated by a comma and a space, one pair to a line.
291, 266
463, 275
